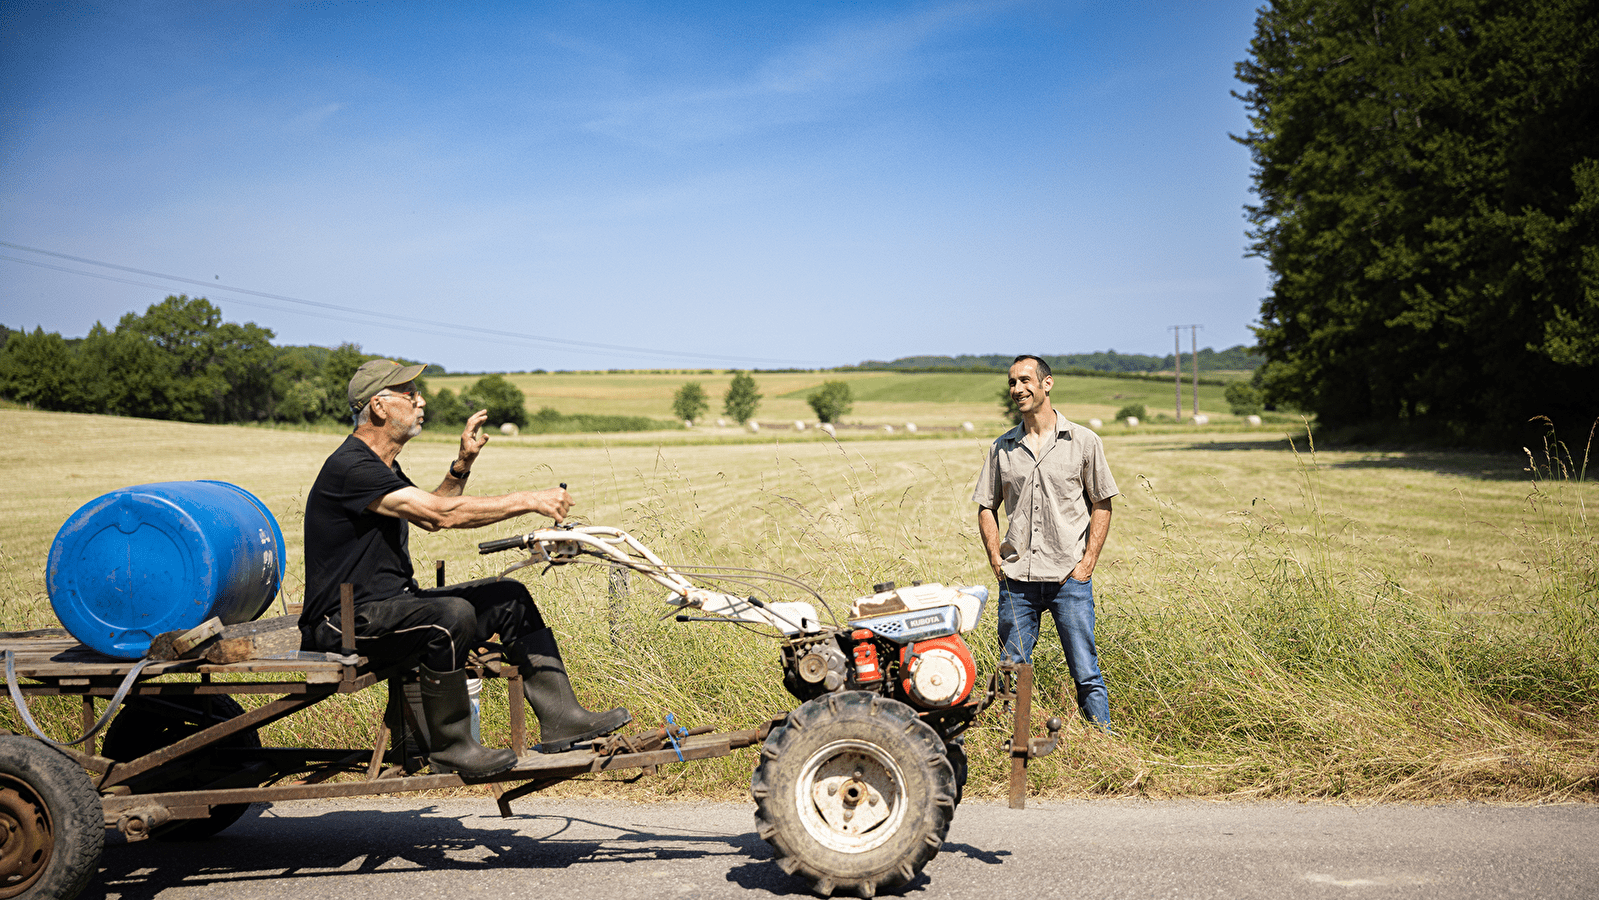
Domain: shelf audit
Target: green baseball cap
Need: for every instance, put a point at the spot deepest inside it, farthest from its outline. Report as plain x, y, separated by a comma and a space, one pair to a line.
374, 376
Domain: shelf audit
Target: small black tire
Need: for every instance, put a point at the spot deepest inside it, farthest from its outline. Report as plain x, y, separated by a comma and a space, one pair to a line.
956, 751
848, 755
146, 725
52, 827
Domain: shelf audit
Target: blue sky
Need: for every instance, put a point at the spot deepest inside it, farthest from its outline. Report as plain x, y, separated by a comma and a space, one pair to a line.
583, 185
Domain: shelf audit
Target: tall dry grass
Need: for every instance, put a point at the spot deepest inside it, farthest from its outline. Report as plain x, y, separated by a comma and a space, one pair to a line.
1307, 678
1288, 660
1269, 669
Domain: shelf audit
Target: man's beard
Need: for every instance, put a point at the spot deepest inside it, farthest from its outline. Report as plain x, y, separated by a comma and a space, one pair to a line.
413, 431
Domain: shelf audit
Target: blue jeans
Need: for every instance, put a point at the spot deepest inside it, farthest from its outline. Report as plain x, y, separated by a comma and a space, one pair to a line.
1022, 605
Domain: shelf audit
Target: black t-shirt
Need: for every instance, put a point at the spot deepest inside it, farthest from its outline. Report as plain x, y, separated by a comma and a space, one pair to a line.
344, 543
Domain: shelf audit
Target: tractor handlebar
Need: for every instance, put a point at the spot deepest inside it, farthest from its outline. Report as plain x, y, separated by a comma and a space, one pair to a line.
502, 544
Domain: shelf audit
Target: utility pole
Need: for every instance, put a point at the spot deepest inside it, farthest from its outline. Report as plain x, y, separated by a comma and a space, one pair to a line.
1177, 364
1193, 333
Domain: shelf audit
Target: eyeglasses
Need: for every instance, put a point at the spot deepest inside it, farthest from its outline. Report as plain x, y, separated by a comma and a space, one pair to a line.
410, 395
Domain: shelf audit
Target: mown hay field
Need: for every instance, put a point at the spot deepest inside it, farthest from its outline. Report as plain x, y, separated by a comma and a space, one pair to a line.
881, 398
1274, 621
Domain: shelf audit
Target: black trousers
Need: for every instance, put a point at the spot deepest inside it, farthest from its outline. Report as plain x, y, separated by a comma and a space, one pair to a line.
437, 627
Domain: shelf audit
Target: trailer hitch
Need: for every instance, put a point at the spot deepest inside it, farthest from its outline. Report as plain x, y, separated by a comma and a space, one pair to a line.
1013, 683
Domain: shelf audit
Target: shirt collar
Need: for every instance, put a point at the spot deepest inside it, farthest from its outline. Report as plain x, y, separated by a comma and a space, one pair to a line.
1014, 436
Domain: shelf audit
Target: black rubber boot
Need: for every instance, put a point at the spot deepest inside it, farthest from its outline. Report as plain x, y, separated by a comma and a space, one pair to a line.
563, 721
448, 714
407, 724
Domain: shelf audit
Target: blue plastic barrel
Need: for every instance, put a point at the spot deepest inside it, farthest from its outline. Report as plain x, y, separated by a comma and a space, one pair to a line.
145, 560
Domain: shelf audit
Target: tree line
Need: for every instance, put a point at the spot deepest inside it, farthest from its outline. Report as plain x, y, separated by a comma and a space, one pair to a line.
1233, 359
180, 361
1428, 182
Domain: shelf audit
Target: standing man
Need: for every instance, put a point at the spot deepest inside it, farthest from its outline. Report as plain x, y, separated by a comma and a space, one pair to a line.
357, 520
1052, 477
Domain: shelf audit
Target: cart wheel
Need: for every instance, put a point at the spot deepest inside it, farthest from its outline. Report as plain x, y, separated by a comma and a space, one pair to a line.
52, 829
854, 793
146, 724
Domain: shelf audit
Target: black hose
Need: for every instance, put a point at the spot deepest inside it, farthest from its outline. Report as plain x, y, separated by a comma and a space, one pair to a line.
111, 708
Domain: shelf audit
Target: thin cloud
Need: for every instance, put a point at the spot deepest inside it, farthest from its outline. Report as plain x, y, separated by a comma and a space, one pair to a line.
312, 119
807, 82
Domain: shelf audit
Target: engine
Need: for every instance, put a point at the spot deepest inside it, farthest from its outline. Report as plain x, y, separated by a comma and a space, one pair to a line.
901, 642
938, 672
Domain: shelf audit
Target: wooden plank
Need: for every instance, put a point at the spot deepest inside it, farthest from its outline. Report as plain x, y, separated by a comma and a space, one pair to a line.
46, 656
185, 641
56, 667
274, 665
221, 644
39, 645
254, 640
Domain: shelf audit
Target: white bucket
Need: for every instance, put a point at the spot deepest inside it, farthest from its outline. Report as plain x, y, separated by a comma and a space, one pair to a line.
474, 689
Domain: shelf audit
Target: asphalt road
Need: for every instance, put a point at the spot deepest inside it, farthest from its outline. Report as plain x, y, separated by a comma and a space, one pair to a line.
443, 850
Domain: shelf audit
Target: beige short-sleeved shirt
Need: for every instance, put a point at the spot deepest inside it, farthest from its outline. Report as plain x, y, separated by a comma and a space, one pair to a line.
1048, 495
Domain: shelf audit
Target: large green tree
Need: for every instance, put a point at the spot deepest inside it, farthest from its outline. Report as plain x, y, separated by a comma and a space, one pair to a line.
742, 399
504, 401
178, 360
41, 370
690, 402
181, 361
1428, 183
832, 401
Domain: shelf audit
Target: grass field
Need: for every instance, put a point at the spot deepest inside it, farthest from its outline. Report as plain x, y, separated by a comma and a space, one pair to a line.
1274, 621
881, 398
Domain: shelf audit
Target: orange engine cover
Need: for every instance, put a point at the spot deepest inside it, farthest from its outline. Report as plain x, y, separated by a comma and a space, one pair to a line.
939, 671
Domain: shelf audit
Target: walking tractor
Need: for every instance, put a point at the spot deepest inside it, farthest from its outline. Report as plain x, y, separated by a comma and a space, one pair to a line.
854, 789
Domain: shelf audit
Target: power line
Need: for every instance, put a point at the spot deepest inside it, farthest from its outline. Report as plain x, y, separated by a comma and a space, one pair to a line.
363, 319
495, 335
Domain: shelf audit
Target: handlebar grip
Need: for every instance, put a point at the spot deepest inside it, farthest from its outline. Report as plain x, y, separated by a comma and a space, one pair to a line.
497, 546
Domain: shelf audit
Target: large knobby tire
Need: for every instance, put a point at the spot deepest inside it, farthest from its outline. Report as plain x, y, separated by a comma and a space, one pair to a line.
146, 725
52, 829
854, 792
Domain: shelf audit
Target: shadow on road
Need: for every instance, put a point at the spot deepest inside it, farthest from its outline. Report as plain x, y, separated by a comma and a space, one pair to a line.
342, 844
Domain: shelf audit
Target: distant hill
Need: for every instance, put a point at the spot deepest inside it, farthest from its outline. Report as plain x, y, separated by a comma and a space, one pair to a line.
1238, 358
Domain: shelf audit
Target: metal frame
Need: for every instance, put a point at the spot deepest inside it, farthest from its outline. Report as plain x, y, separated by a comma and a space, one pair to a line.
312, 770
